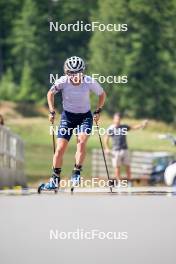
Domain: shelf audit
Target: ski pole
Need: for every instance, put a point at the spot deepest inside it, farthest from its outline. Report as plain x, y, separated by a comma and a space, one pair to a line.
53, 137
107, 171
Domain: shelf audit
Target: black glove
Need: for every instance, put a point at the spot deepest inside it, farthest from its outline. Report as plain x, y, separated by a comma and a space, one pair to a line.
98, 111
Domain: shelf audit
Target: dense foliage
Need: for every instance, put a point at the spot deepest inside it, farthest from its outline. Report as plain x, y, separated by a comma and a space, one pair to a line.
146, 53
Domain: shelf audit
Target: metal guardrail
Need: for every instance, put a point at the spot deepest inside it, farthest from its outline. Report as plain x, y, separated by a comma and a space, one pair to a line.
11, 159
144, 165
98, 166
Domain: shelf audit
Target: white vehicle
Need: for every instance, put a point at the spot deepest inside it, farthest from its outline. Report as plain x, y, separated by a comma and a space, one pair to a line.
170, 172
170, 175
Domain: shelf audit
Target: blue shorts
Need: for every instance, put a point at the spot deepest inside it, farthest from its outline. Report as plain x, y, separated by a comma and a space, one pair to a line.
77, 122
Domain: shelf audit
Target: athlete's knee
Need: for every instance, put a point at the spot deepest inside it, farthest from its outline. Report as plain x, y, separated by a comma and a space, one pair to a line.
60, 150
81, 144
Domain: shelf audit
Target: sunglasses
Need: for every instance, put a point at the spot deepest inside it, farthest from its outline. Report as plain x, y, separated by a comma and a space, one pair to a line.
73, 73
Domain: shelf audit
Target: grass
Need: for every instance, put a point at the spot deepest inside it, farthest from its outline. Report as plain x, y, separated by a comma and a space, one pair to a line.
38, 144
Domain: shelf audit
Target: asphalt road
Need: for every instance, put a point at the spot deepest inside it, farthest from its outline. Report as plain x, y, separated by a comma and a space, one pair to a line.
30, 224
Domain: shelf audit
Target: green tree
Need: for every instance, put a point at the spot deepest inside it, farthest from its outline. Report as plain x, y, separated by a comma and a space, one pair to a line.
152, 71
26, 89
108, 50
145, 53
45, 50
63, 44
8, 12
26, 48
8, 89
25, 42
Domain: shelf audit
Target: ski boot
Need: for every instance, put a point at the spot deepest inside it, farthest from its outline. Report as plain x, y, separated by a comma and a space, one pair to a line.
52, 185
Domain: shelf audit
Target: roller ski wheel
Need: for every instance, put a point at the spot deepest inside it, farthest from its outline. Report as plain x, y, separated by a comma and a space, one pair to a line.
75, 179
56, 191
72, 189
40, 188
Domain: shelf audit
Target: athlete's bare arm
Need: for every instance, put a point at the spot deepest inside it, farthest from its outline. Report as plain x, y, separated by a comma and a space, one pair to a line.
101, 101
106, 144
139, 126
50, 98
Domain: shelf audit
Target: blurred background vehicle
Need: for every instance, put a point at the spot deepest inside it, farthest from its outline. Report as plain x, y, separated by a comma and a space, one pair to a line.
170, 171
170, 175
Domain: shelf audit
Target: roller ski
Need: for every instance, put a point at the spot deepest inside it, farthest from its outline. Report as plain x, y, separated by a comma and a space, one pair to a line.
75, 179
52, 185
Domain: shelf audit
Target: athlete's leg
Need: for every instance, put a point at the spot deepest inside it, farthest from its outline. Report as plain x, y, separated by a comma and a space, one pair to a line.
116, 163
128, 172
62, 144
117, 173
64, 134
57, 164
79, 158
83, 132
126, 162
81, 148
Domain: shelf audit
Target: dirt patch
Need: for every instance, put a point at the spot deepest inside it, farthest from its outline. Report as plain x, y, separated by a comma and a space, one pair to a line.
12, 110
8, 110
